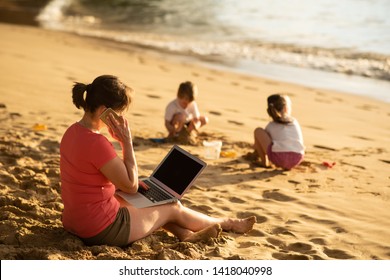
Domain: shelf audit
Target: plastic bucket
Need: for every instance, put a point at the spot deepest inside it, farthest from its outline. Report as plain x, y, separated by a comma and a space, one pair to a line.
212, 149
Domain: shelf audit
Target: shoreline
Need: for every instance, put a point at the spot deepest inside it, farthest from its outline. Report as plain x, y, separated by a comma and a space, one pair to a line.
346, 84
20, 14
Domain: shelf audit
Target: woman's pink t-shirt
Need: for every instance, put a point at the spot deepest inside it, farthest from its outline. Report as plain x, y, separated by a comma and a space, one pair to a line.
88, 196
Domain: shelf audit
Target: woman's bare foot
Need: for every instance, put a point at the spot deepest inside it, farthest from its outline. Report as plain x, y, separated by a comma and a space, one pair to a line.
212, 231
239, 225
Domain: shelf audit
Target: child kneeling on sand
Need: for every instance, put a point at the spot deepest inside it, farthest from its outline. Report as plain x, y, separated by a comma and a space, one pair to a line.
281, 142
182, 115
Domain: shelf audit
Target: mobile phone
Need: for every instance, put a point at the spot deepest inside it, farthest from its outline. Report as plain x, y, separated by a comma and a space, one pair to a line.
104, 115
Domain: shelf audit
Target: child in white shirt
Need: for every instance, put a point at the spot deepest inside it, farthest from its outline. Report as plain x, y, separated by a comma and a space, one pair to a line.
183, 113
281, 142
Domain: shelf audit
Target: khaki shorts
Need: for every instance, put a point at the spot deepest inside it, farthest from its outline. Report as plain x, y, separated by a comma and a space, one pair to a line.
116, 234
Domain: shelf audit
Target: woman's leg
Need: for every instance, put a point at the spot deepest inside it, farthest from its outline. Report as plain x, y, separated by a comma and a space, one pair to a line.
146, 220
187, 235
262, 141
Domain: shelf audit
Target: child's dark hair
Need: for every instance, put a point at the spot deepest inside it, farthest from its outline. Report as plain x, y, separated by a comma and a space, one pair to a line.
105, 90
187, 89
277, 109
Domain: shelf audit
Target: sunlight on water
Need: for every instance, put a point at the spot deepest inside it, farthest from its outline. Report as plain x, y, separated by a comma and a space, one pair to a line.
348, 37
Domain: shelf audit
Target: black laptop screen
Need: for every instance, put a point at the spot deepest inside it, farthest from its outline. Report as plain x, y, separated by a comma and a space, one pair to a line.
177, 171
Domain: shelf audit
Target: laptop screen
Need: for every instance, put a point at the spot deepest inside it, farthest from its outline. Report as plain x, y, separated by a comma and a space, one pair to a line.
178, 170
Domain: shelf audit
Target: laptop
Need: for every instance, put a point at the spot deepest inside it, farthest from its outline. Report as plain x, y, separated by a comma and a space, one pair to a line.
170, 180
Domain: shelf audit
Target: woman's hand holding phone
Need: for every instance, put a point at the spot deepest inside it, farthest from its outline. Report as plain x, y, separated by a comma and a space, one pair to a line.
118, 126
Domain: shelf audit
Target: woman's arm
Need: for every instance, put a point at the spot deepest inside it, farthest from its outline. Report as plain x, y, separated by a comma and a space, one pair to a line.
117, 172
123, 173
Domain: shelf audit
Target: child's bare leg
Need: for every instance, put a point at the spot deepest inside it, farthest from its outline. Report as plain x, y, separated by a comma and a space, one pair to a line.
262, 141
177, 123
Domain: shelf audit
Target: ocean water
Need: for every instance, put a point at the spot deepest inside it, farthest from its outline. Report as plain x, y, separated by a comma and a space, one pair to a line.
336, 44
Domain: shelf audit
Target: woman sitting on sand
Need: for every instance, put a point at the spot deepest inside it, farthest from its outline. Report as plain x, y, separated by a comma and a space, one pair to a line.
281, 142
91, 171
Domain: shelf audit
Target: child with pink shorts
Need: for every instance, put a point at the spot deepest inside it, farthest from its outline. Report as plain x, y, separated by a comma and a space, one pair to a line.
281, 142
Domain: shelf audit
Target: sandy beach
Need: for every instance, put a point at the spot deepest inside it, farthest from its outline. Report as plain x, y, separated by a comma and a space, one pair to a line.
315, 211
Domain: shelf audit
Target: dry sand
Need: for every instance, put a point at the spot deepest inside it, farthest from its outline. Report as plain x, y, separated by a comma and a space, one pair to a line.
311, 212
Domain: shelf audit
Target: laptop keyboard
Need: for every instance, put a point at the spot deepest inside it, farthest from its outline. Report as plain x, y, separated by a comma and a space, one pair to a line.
153, 193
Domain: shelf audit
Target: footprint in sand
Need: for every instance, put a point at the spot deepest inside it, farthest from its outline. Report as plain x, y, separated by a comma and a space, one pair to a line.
271, 83
284, 256
294, 182
339, 230
324, 148
235, 122
232, 110
314, 127
282, 231
292, 222
251, 88
256, 233
249, 244
362, 138
214, 200
320, 93
300, 247
323, 101
246, 186
321, 221
236, 200
215, 113
313, 183
318, 241
337, 254
15, 115
276, 195
153, 96
367, 107
141, 60
70, 78
353, 165
162, 67
330, 180
276, 242
338, 99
